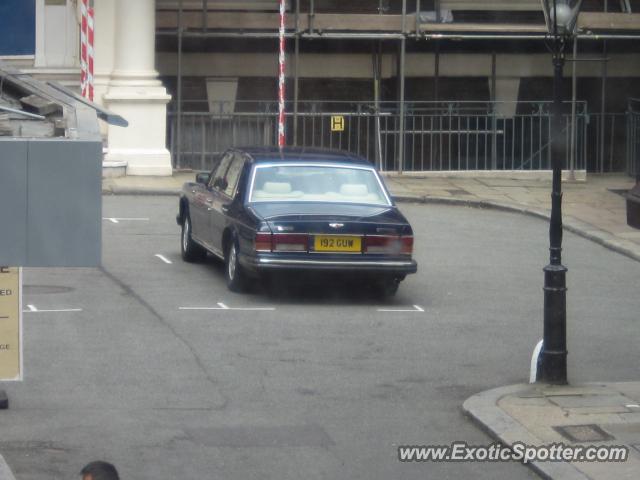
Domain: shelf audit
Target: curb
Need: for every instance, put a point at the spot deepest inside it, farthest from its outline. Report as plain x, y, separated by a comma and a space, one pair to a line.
483, 409
115, 190
582, 229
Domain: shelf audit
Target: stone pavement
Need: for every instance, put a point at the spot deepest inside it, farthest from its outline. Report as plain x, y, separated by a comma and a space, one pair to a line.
590, 415
534, 414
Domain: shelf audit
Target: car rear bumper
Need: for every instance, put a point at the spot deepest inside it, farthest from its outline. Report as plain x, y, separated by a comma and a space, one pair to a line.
264, 263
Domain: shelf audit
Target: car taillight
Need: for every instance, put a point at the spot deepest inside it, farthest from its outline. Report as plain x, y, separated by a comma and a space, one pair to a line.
263, 242
387, 244
407, 245
290, 242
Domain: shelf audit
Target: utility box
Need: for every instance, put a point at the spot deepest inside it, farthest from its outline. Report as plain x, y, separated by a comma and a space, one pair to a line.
50, 174
50, 202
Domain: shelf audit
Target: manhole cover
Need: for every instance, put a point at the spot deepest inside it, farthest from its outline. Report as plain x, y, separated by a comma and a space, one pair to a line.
45, 289
583, 433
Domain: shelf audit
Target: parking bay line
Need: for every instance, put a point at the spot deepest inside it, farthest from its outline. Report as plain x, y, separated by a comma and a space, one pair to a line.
415, 309
163, 258
222, 306
118, 219
33, 309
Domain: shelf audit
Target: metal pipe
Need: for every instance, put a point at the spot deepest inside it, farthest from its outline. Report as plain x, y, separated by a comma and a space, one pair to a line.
179, 92
603, 105
392, 36
376, 99
312, 13
296, 74
494, 120
205, 15
574, 93
22, 112
401, 75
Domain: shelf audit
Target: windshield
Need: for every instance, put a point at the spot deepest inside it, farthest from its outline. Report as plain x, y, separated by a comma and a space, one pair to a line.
317, 183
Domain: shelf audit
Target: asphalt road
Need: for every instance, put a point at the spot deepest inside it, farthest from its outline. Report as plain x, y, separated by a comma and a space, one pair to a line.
156, 367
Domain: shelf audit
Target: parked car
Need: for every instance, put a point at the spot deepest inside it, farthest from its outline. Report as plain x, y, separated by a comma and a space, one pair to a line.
265, 210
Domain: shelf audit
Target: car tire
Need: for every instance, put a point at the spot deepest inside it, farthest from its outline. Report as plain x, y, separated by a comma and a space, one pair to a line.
191, 251
387, 287
236, 279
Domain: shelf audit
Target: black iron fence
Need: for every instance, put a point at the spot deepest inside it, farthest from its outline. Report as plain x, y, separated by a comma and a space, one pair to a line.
442, 136
633, 138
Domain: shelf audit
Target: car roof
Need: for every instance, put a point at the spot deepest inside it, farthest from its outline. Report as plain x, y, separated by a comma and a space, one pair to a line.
292, 154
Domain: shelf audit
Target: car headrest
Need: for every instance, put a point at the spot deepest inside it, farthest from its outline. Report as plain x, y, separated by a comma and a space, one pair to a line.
354, 189
277, 187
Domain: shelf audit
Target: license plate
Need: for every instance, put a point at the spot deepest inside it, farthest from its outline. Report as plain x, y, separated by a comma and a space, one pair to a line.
330, 243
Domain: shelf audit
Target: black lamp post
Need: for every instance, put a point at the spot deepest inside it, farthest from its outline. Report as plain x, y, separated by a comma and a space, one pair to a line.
561, 17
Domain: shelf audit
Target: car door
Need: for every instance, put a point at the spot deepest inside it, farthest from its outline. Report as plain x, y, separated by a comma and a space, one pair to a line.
223, 196
203, 202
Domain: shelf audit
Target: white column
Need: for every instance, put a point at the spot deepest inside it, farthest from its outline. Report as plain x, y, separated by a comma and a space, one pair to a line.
104, 51
135, 93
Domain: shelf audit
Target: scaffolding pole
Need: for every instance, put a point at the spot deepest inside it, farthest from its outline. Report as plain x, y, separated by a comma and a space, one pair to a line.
574, 96
179, 91
296, 82
401, 74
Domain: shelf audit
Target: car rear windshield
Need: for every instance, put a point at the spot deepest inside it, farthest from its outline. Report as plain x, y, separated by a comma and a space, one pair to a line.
314, 183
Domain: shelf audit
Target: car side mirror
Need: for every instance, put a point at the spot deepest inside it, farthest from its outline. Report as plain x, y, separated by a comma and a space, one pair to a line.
203, 178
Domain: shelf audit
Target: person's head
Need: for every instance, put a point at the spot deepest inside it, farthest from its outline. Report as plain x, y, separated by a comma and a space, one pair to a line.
99, 471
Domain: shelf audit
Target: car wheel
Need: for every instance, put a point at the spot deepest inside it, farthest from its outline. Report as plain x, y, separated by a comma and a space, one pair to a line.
191, 251
236, 280
387, 287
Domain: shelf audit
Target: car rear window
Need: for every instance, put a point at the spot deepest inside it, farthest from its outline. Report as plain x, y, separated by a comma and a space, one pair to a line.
314, 183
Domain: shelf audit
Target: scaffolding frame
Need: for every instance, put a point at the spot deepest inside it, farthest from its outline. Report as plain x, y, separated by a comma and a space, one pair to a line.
305, 26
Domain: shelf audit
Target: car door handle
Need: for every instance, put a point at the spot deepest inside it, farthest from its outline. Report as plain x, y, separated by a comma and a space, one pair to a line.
225, 208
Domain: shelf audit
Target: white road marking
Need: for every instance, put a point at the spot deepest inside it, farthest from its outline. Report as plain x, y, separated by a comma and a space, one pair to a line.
633, 405
33, 309
5, 471
118, 220
415, 309
164, 259
222, 306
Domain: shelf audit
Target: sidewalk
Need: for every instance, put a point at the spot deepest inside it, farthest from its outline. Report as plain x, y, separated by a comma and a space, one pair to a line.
590, 415
600, 414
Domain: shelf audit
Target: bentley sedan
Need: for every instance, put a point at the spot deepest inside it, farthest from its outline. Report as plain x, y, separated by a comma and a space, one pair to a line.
266, 212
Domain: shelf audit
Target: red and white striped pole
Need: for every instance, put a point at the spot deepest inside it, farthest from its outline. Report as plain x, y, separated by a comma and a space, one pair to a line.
282, 140
86, 49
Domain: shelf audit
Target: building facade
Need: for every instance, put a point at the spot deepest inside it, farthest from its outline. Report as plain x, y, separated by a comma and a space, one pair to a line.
422, 85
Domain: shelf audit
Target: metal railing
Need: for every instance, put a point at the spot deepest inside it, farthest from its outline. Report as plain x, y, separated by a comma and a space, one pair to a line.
438, 136
633, 138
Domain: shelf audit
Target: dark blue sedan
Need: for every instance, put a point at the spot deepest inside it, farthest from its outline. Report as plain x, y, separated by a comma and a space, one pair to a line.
270, 211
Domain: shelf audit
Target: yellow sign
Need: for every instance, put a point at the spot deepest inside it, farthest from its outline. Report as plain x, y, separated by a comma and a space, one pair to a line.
10, 323
337, 123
